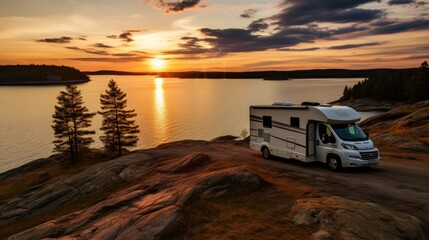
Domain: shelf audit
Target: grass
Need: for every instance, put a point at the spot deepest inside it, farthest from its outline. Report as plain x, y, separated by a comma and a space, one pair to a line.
260, 215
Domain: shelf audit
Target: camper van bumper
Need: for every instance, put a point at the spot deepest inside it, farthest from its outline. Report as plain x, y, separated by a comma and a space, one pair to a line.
353, 158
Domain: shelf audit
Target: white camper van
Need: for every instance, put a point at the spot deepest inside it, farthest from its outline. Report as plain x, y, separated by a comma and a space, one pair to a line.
311, 132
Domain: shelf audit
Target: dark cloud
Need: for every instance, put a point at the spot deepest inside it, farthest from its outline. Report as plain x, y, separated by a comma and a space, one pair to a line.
189, 46
422, 57
89, 50
407, 2
101, 45
248, 13
348, 29
298, 12
126, 36
61, 40
175, 6
243, 40
135, 30
258, 25
400, 2
109, 59
399, 26
348, 46
299, 22
298, 49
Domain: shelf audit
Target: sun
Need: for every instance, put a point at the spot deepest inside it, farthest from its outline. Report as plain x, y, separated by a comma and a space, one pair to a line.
157, 64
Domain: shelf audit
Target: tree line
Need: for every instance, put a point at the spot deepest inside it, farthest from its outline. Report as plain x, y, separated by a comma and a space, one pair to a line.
399, 85
40, 73
72, 121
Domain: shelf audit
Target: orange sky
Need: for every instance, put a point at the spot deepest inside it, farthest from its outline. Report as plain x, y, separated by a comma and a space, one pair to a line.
215, 35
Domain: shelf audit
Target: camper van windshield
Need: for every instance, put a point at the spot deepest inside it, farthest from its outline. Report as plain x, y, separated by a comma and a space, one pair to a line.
349, 132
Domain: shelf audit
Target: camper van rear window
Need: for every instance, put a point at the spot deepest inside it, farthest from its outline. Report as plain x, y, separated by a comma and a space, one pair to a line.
267, 121
294, 122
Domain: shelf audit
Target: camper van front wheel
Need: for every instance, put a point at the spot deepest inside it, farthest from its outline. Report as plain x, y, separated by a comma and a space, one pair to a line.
334, 163
266, 153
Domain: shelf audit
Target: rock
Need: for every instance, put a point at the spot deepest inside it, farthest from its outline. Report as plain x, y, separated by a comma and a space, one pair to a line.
405, 127
151, 209
97, 177
348, 219
186, 163
224, 138
387, 139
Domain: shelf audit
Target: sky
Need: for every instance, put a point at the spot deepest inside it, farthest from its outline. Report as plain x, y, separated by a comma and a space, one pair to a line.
215, 35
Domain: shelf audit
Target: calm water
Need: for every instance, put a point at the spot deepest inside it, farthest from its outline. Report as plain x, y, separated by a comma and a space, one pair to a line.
168, 109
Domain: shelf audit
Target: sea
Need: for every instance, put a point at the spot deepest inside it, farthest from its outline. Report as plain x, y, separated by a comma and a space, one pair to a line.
168, 109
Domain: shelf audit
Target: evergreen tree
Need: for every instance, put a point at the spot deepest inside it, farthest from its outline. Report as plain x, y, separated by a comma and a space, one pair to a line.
119, 130
71, 119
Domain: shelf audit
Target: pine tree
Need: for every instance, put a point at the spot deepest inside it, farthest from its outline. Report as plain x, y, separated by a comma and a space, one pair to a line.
119, 130
71, 120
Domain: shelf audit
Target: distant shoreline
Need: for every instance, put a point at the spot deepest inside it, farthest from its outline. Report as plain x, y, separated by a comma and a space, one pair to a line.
43, 83
266, 75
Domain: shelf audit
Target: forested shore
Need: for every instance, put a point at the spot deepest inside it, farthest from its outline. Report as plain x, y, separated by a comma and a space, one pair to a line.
40, 75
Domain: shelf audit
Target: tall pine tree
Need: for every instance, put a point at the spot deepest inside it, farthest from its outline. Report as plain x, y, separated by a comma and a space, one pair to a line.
119, 130
71, 120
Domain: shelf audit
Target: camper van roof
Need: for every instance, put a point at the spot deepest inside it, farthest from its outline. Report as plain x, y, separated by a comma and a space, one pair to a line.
323, 113
339, 114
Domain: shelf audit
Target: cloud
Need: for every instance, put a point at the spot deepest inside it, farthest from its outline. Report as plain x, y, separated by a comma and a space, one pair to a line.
61, 40
89, 50
110, 59
400, 2
298, 12
422, 57
298, 49
258, 25
101, 45
243, 40
390, 27
301, 21
174, 6
248, 13
126, 36
407, 2
349, 46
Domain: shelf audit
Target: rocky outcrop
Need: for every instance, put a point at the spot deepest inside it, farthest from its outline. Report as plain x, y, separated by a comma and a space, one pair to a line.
405, 127
149, 209
368, 104
339, 218
42, 198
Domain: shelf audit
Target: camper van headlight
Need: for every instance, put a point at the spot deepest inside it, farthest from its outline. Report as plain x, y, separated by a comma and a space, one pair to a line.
349, 146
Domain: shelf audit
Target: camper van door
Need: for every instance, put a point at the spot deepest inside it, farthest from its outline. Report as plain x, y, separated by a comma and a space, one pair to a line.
324, 142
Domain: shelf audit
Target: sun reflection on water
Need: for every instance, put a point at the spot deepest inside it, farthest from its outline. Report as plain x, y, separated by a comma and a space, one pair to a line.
160, 110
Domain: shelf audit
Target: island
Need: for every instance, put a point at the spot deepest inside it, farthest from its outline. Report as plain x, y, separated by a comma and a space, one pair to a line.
40, 75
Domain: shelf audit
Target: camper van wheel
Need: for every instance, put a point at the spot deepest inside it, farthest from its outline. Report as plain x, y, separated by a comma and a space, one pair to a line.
266, 153
334, 163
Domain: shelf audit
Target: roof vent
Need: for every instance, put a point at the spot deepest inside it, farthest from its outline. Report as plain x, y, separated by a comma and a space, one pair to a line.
310, 104
282, 103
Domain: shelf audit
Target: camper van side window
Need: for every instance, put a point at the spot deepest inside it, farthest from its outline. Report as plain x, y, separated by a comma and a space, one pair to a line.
267, 121
294, 122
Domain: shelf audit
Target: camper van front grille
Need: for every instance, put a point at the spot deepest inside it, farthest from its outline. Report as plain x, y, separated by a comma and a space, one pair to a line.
369, 155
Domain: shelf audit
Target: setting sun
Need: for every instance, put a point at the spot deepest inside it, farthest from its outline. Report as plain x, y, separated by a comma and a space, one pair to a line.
157, 64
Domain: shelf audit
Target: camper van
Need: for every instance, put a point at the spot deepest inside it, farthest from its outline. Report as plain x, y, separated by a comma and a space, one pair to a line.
312, 132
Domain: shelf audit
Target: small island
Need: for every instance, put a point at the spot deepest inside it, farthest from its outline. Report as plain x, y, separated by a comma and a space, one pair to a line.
40, 75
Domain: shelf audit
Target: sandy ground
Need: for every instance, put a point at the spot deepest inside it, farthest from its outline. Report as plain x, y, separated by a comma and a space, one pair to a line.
399, 182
